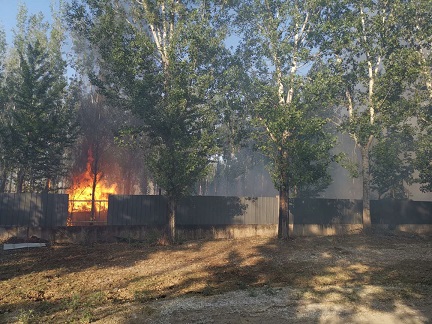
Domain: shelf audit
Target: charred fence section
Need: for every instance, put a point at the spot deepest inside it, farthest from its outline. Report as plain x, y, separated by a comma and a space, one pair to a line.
35, 210
193, 211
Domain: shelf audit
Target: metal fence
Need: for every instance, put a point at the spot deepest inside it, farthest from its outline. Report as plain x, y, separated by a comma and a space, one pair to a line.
216, 210
51, 210
194, 210
30, 209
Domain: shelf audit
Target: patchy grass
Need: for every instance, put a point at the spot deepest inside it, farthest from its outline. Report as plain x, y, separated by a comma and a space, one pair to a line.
82, 284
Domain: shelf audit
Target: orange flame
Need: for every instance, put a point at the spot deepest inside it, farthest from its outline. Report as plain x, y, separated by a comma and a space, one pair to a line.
80, 194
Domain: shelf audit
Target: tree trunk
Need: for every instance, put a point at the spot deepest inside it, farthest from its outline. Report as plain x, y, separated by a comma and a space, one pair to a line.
95, 172
20, 181
3, 181
366, 186
171, 226
47, 185
283, 214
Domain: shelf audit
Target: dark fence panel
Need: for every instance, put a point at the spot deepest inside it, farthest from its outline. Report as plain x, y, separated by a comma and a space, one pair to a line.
30, 209
218, 210
326, 211
136, 210
193, 210
395, 212
344, 211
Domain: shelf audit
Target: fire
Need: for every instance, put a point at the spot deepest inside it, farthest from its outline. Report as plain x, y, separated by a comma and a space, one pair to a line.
80, 194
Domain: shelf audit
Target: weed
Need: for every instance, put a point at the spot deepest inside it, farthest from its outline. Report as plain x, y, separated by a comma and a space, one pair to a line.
87, 316
207, 291
142, 296
147, 310
96, 298
252, 292
269, 291
242, 285
74, 302
26, 316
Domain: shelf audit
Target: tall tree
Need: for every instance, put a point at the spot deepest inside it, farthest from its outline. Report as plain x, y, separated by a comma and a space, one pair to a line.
417, 30
278, 43
160, 59
365, 39
39, 121
3, 101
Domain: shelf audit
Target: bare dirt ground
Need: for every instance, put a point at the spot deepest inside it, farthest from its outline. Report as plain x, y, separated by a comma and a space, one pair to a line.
345, 279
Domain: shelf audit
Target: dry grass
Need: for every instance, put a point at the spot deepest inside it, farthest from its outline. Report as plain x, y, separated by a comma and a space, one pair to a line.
76, 283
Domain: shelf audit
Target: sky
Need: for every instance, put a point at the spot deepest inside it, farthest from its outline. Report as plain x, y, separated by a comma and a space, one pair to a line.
9, 11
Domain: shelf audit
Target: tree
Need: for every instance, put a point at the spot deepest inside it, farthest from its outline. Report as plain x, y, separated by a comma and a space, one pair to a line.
3, 101
392, 163
417, 29
39, 122
279, 41
160, 60
364, 38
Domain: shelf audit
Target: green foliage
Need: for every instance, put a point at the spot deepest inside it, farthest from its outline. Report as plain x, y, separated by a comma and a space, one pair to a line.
423, 149
392, 165
167, 78
291, 110
38, 123
307, 145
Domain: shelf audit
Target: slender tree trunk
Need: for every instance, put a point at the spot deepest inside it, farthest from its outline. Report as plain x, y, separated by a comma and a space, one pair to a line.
20, 181
283, 198
283, 214
47, 185
3, 181
171, 227
366, 186
95, 179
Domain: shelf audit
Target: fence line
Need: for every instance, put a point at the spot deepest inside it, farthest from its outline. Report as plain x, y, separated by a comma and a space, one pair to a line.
31, 209
51, 210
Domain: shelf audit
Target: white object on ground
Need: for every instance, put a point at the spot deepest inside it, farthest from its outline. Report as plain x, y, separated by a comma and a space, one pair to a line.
22, 245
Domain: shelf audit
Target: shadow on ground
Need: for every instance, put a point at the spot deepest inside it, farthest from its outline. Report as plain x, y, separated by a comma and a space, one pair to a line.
327, 279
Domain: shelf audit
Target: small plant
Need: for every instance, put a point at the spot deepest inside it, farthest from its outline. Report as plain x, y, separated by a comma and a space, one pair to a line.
252, 292
207, 291
87, 316
147, 310
269, 291
26, 316
74, 302
242, 285
141, 296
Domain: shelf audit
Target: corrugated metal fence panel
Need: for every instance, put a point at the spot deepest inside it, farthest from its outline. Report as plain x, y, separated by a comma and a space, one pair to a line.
136, 210
391, 211
326, 211
209, 210
55, 210
193, 210
31, 209
216, 210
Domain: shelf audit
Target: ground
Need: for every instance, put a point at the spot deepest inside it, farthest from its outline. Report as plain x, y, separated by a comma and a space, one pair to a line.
358, 279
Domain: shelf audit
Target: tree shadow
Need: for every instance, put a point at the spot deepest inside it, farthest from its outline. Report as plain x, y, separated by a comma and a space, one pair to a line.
305, 279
